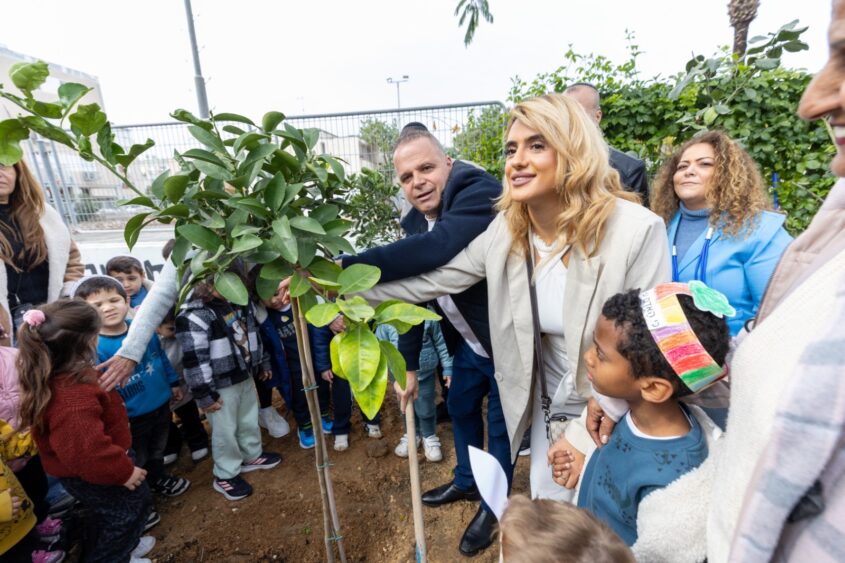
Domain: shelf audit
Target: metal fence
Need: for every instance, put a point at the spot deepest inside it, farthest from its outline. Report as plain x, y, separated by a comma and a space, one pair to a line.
87, 195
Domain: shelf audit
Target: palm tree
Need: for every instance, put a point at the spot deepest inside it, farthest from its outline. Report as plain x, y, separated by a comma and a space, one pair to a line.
472, 9
742, 13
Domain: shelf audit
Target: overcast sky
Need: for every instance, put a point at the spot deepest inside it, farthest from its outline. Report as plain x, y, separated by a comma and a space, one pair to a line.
333, 55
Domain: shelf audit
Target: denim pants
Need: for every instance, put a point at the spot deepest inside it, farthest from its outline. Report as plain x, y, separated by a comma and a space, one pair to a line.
425, 413
149, 440
472, 379
235, 436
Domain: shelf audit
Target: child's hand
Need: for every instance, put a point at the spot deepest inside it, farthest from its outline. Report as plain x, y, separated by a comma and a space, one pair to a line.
327, 375
338, 324
447, 379
215, 406
135, 480
265, 375
176, 394
16, 506
566, 462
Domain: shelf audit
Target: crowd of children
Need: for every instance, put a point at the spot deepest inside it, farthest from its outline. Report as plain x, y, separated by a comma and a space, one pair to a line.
109, 450
211, 369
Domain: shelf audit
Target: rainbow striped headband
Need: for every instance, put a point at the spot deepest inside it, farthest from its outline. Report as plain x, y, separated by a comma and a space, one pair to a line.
674, 336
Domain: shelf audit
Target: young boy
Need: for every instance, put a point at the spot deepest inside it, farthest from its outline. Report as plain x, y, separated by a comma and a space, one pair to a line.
130, 273
192, 431
148, 391
279, 337
221, 353
649, 349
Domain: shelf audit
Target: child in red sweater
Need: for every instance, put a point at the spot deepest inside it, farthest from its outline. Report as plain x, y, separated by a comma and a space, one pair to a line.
82, 431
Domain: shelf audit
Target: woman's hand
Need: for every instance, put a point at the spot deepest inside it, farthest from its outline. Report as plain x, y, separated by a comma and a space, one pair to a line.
117, 371
598, 425
135, 480
327, 375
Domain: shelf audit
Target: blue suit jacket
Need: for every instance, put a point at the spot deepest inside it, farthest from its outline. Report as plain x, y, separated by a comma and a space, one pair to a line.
738, 266
466, 209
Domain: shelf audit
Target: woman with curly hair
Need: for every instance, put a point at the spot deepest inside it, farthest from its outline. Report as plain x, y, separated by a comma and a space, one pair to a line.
40, 256
711, 196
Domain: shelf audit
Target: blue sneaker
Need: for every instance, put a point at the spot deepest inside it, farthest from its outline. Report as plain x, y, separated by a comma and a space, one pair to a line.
306, 438
327, 425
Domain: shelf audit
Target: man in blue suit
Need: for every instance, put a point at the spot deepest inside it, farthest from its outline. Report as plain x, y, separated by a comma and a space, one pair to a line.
452, 204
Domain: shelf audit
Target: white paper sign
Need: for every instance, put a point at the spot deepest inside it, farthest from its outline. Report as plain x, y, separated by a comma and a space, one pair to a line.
490, 479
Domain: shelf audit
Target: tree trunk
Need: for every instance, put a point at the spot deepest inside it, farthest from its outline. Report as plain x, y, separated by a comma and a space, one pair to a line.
741, 38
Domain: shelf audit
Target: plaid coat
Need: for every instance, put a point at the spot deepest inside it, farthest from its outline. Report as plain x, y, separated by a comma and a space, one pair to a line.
211, 359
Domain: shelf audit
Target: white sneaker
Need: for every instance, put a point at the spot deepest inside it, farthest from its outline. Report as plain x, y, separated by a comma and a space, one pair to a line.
341, 442
199, 454
145, 545
373, 430
275, 424
402, 447
140, 560
431, 445
170, 459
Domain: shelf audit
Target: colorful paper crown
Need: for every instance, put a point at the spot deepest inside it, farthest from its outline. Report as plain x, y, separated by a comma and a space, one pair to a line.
673, 334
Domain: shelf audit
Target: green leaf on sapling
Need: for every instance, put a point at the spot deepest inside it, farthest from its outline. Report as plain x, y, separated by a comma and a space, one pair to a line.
356, 308
395, 361
371, 398
88, 119
70, 93
359, 355
12, 132
29, 76
271, 120
200, 236
322, 314
357, 278
231, 287
299, 285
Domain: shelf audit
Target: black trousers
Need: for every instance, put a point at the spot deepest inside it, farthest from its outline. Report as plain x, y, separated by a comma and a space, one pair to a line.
116, 518
192, 431
149, 438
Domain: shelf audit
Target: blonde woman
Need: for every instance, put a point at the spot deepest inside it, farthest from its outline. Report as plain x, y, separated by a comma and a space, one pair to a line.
564, 208
711, 196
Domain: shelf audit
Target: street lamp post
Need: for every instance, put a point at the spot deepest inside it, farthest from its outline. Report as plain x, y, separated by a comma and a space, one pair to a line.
199, 81
398, 81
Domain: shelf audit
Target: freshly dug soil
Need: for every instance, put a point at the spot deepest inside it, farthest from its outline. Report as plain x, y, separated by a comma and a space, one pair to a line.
282, 520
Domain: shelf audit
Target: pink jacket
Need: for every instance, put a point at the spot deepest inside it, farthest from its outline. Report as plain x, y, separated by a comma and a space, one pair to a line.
10, 392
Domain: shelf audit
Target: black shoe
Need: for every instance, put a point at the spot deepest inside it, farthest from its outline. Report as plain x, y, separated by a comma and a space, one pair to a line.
444, 494
479, 533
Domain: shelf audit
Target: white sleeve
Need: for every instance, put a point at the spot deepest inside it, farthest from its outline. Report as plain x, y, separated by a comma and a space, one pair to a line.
161, 298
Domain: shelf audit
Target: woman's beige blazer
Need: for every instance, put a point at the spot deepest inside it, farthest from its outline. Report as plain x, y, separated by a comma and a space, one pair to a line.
634, 254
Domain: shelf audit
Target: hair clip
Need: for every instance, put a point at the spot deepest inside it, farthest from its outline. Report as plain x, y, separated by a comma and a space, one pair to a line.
34, 317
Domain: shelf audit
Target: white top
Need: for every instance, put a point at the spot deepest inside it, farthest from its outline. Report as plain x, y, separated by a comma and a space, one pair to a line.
456, 318
550, 284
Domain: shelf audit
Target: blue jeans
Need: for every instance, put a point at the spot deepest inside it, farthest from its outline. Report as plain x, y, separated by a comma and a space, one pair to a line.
425, 412
472, 379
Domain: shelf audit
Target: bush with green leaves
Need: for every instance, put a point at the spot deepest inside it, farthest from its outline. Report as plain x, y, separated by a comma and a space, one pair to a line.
753, 98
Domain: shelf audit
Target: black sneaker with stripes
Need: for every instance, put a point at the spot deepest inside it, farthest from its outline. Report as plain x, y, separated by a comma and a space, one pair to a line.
266, 460
170, 486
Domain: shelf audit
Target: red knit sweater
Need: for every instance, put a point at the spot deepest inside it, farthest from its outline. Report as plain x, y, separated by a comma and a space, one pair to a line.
85, 433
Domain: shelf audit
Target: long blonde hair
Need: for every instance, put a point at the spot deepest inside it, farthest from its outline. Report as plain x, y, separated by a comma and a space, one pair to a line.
62, 344
735, 193
585, 182
26, 206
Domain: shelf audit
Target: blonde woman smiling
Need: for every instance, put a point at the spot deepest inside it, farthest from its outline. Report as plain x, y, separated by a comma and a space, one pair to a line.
563, 208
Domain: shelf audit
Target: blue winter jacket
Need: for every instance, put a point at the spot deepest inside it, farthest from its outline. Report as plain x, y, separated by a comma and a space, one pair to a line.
739, 266
282, 356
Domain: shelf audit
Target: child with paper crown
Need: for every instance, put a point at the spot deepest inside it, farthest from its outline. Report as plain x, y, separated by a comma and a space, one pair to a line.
650, 348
